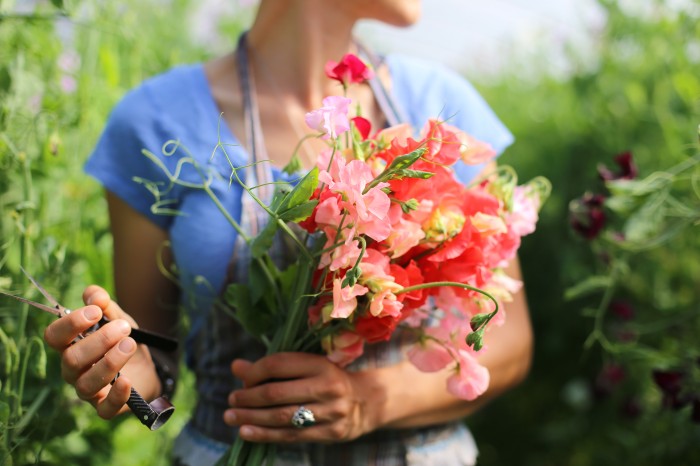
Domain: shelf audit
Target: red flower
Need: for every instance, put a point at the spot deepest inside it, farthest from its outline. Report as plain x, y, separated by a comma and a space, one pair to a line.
409, 276
349, 70
587, 216
375, 329
628, 170
363, 126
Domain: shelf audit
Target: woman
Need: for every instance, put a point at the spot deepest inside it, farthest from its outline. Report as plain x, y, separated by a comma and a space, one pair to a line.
382, 409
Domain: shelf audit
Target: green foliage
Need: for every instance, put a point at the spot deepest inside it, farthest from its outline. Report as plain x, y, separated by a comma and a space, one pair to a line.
60, 75
641, 94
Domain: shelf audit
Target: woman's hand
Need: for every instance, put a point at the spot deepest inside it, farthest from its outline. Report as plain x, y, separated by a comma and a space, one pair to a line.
92, 363
275, 387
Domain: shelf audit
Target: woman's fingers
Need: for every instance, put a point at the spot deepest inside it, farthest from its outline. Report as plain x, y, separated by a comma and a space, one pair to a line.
81, 356
61, 333
115, 401
101, 374
277, 385
279, 366
98, 296
278, 393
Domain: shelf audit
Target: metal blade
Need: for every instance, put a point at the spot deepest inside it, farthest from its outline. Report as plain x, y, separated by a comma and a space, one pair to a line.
43, 307
46, 294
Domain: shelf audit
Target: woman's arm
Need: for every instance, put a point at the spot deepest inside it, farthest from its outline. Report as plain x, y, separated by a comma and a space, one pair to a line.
90, 364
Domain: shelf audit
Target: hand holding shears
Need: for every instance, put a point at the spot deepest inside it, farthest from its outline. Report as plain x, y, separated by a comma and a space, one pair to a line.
90, 362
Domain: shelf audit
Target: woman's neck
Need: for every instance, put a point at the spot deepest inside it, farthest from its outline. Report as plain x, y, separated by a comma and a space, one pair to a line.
295, 67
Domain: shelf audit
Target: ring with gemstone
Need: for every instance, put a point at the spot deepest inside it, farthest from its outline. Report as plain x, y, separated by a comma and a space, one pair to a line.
303, 417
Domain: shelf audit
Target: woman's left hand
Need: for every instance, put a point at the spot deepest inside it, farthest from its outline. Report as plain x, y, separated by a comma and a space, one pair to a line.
277, 385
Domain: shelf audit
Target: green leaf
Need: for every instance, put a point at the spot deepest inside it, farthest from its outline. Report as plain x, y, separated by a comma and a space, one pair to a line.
263, 242
590, 285
253, 319
647, 222
286, 281
405, 161
301, 192
293, 166
300, 212
39, 358
263, 274
58, 4
406, 173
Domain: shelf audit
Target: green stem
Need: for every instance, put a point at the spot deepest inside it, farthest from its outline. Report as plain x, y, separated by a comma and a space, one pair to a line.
597, 335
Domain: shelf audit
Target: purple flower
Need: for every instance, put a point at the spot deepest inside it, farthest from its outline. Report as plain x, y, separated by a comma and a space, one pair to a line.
671, 384
628, 170
608, 379
622, 309
587, 216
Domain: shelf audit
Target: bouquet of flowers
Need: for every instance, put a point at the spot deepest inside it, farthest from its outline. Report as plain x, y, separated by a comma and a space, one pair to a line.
386, 237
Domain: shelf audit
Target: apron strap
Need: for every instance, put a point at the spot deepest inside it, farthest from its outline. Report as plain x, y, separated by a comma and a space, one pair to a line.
386, 101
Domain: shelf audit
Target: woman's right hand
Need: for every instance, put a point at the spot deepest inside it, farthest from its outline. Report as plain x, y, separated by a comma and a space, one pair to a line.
90, 364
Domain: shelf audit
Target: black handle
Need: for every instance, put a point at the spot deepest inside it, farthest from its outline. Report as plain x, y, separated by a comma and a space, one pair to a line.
151, 339
152, 415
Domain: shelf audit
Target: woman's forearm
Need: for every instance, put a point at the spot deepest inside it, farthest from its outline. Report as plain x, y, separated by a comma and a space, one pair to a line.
401, 396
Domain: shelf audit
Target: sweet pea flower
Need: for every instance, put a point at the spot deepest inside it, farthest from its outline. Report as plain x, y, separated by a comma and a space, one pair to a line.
625, 162
350, 69
366, 211
488, 225
332, 118
522, 219
345, 298
343, 347
429, 356
471, 378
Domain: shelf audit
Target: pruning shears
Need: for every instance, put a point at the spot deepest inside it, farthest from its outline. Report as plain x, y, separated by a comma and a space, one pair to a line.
153, 415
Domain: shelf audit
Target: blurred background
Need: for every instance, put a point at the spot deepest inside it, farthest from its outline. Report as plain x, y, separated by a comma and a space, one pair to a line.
611, 274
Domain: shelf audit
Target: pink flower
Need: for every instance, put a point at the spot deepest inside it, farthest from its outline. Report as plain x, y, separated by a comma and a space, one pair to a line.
523, 218
384, 303
404, 236
349, 70
332, 118
366, 211
343, 347
345, 299
345, 255
429, 356
471, 379
488, 225
472, 151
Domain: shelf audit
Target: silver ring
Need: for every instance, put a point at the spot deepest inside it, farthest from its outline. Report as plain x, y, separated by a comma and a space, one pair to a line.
303, 417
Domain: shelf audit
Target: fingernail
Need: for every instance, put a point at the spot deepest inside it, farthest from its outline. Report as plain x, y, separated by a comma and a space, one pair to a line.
92, 313
230, 417
124, 327
127, 345
246, 431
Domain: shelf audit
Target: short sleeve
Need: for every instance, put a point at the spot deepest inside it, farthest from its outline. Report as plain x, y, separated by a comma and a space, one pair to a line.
118, 159
426, 90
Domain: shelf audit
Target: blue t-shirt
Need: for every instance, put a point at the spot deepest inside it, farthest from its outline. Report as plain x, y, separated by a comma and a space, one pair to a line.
178, 105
